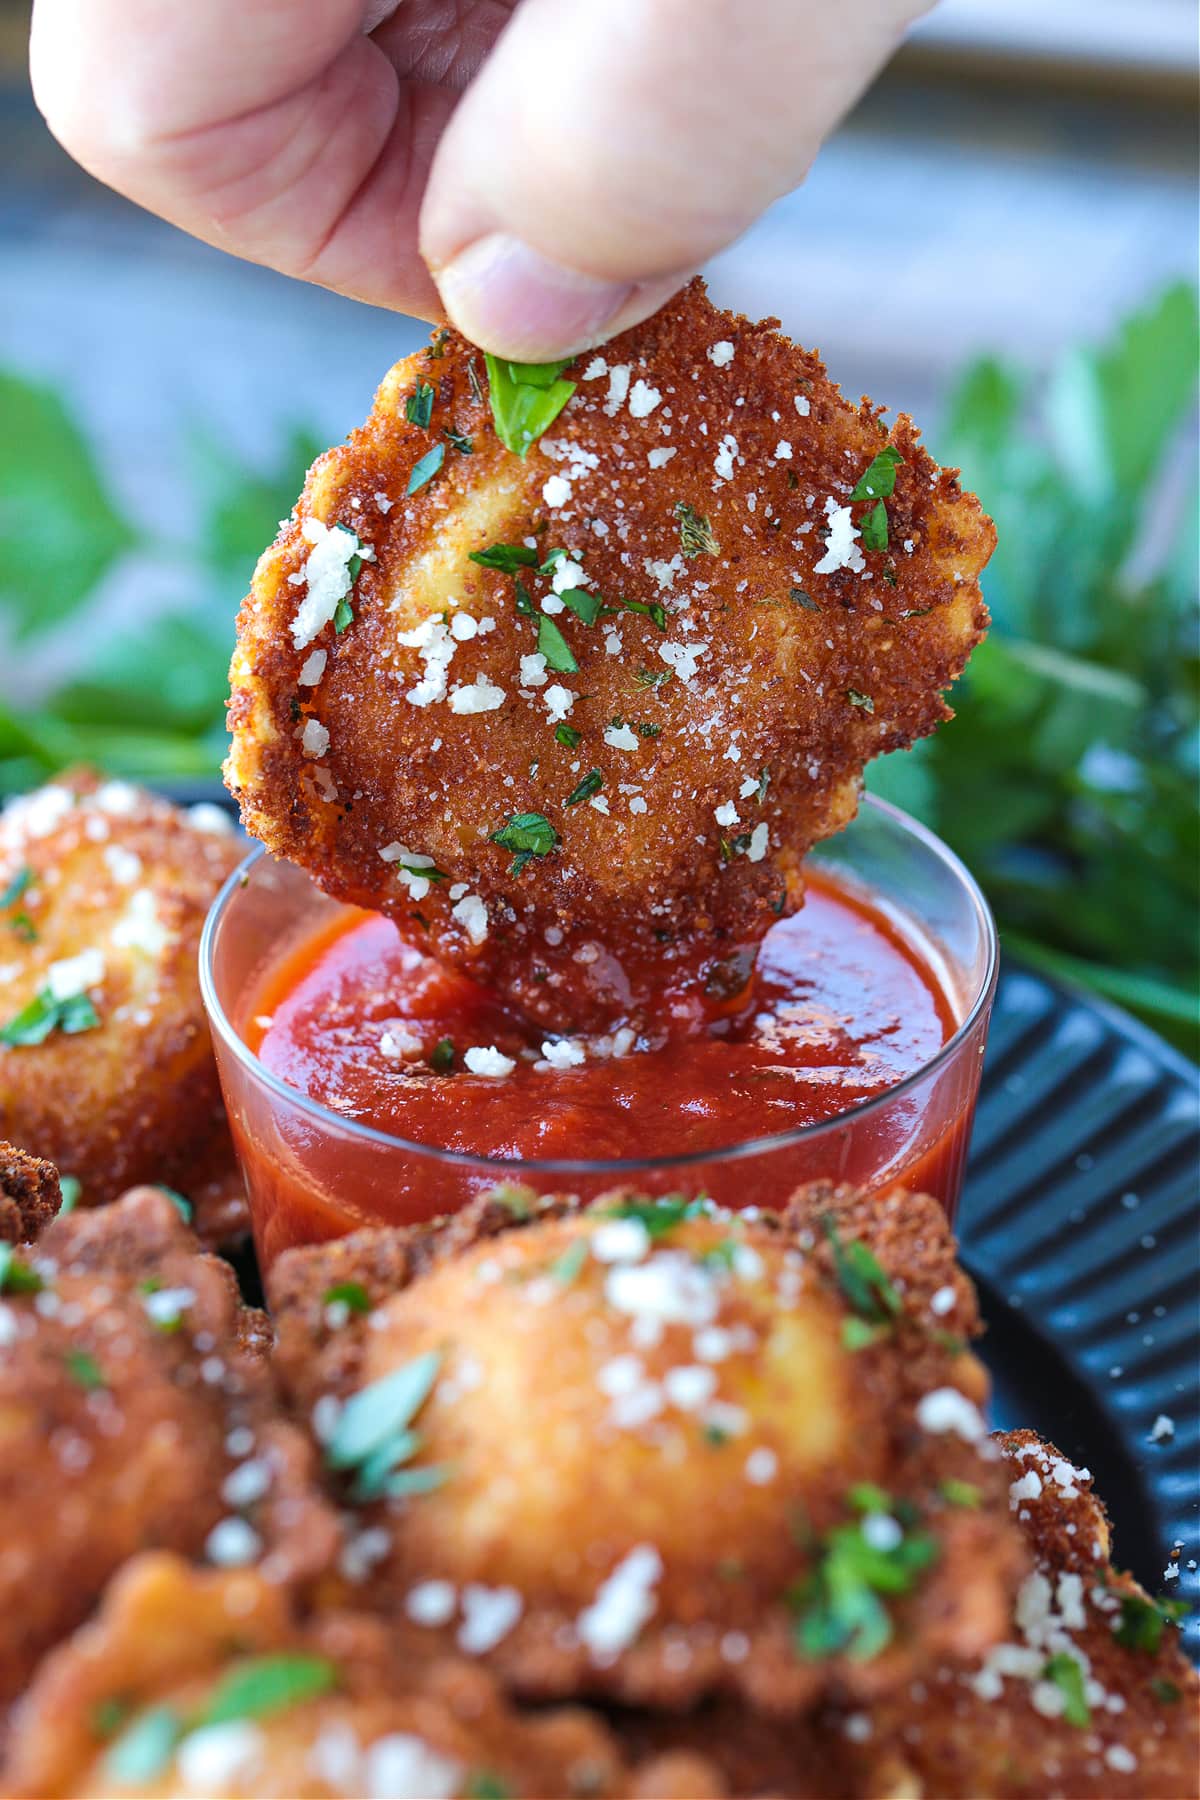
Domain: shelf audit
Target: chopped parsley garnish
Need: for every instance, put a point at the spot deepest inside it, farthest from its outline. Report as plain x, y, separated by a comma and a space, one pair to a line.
44, 1014
959, 1493
658, 1216
437, 349
648, 731
430, 873
70, 1187
652, 678
350, 1294
508, 558
585, 606
695, 533
108, 1716
1144, 1620
805, 600
526, 399
180, 1202
481, 1784
84, 1370
878, 479
462, 444
554, 647
441, 1057
144, 1748
427, 468
863, 1281
21, 881
873, 527
524, 601
567, 734
1165, 1691
838, 1608
372, 1436
354, 565
764, 782
569, 1265
343, 615
591, 784
1067, 1676
16, 1277
654, 612
267, 1684
863, 701
418, 408
527, 834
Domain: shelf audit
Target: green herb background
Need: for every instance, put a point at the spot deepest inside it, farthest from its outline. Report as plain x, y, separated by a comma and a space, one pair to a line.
1068, 781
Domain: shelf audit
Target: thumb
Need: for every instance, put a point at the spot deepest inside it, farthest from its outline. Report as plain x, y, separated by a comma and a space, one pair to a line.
602, 152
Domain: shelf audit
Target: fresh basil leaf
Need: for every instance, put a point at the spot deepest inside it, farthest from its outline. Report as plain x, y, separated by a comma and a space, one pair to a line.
350, 1294
873, 527
878, 479
567, 734
554, 647
418, 408
16, 1277
44, 1014
585, 606
526, 399
145, 1748
591, 784
425, 470
656, 613
267, 1684
377, 1412
441, 1057
1067, 1676
508, 558
84, 1370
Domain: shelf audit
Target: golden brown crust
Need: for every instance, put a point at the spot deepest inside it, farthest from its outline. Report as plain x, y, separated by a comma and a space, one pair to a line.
132, 1388
167, 1634
806, 688
125, 879
29, 1194
585, 1442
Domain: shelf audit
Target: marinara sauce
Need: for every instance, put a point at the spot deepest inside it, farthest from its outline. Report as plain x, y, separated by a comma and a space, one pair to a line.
839, 1009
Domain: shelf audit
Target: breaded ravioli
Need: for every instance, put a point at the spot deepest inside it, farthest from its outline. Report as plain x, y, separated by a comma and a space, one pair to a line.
653, 1450
30, 1194
193, 1682
573, 719
106, 1066
136, 1409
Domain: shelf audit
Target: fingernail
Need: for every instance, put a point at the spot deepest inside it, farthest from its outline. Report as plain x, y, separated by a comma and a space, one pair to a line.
519, 304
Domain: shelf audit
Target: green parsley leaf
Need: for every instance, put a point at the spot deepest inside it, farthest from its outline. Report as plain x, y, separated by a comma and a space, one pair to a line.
372, 1435
350, 1294
838, 1609
873, 527
429, 873
1166, 1692
959, 1493
508, 558
660, 1217
108, 1716
1143, 1620
654, 612
180, 1202
569, 1265
805, 600
524, 601
878, 479
481, 1784
652, 678
424, 1480
418, 408
70, 1187
526, 399
554, 647
648, 731
585, 606
1067, 1676
84, 1370
695, 533
44, 1014
427, 468
861, 1278
462, 444
267, 1684
863, 701
567, 734
145, 1748
21, 881
591, 784
527, 834
441, 1057
16, 1277
343, 616
554, 557
857, 1334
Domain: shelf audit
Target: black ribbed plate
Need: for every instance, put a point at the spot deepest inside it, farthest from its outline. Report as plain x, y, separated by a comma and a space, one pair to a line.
1080, 1223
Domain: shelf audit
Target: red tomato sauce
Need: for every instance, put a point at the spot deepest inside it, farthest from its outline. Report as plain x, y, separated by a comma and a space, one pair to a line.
839, 1009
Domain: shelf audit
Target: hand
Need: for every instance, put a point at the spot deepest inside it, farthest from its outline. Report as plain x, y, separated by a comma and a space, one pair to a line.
546, 172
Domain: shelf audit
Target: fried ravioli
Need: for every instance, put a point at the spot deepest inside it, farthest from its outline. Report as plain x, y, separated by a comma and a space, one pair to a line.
713, 591
643, 1450
201, 1682
136, 1409
30, 1194
106, 1065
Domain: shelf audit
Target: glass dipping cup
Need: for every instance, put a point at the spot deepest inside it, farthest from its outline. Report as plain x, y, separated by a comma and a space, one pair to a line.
312, 1174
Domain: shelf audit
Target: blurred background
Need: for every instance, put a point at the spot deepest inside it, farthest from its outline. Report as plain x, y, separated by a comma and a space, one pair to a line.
1002, 239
